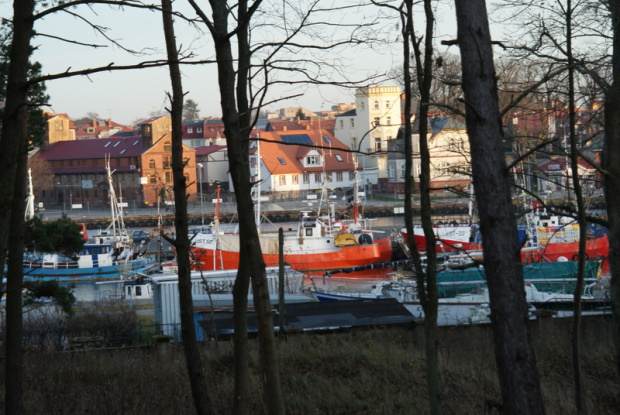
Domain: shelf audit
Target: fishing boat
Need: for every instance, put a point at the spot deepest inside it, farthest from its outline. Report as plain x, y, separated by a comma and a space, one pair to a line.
317, 244
544, 238
320, 242
110, 256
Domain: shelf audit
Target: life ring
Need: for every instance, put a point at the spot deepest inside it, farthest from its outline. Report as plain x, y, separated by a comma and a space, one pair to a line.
575, 257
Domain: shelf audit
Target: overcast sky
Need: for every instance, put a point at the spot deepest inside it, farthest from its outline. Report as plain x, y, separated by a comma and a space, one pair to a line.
128, 96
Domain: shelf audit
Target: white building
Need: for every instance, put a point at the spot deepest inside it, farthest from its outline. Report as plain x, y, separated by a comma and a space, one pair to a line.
369, 127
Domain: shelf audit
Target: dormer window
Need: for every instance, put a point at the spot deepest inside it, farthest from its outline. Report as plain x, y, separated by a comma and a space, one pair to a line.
199, 129
190, 130
313, 160
90, 130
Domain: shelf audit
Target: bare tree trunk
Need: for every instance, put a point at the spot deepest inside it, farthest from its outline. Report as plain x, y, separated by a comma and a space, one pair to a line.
515, 358
241, 346
611, 165
581, 213
193, 360
13, 142
236, 117
426, 280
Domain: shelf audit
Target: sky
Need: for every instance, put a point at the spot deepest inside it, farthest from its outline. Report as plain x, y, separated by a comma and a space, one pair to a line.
130, 96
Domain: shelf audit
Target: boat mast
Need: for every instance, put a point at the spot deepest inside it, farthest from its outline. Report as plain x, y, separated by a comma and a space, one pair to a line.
30, 198
257, 211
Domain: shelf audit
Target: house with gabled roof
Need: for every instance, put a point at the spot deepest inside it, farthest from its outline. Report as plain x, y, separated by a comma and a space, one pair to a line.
101, 129
60, 127
212, 165
448, 146
300, 162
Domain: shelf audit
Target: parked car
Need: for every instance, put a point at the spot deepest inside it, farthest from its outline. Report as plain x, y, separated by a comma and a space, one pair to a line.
140, 237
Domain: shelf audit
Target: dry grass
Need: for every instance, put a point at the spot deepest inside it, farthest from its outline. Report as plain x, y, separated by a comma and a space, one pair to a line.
378, 371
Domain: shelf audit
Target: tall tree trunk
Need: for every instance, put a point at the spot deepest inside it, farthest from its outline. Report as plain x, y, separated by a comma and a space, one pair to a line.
193, 360
236, 116
13, 163
611, 166
515, 358
581, 213
426, 280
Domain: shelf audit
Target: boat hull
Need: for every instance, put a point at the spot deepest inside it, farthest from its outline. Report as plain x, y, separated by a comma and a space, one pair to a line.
332, 258
112, 272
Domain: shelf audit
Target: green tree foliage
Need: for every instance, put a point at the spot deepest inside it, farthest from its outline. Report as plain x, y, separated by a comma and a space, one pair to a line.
37, 291
300, 114
191, 112
36, 92
60, 236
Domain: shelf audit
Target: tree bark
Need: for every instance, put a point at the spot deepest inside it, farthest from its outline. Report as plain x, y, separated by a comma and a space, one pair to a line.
13, 142
193, 360
426, 280
515, 358
236, 117
611, 166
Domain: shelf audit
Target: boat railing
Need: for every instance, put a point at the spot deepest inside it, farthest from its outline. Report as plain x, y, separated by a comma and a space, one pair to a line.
50, 264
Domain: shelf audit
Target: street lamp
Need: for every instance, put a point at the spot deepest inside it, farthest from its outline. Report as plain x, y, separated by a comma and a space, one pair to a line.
202, 217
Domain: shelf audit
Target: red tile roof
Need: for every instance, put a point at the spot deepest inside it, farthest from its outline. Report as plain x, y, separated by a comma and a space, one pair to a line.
274, 149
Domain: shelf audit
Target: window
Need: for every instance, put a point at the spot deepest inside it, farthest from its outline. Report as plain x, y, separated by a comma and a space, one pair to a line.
166, 162
326, 139
152, 179
306, 178
190, 130
281, 160
117, 143
312, 160
226, 155
391, 173
199, 129
107, 144
317, 177
253, 162
362, 105
339, 176
376, 106
387, 104
151, 164
282, 180
90, 130
295, 179
351, 176
352, 123
377, 121
167, 146
338, 157
388, 120
168, 176
58, 125
402, 171
341, 124
377, 144
329, 177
